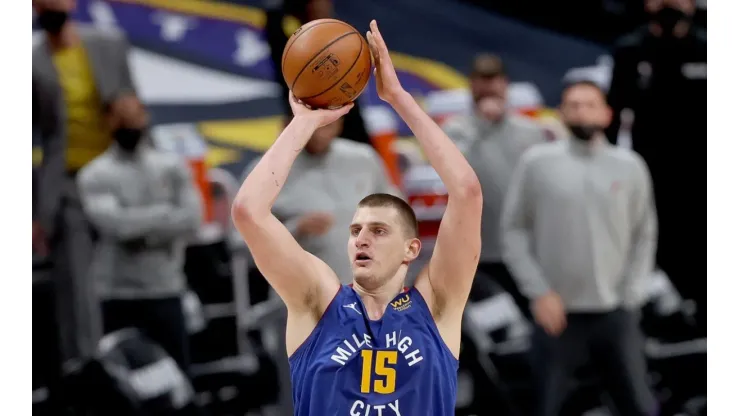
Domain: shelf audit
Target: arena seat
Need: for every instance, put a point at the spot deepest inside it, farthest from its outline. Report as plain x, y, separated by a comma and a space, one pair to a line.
130, 375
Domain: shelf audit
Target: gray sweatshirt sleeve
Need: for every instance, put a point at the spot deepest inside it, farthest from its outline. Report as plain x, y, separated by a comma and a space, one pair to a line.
644, 234
186, 214
516, 233
106, 213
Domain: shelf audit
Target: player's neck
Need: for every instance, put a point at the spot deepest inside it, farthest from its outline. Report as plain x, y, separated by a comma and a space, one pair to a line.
376, 300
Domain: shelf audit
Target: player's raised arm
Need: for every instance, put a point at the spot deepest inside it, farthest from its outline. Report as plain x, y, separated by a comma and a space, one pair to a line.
296, 275
455, 258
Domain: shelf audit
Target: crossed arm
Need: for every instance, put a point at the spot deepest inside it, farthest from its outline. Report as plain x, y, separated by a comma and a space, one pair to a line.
160, 223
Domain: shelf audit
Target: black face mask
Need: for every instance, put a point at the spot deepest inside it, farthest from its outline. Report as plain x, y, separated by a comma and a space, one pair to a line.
128, 138
668, 18
584, 132
52, 21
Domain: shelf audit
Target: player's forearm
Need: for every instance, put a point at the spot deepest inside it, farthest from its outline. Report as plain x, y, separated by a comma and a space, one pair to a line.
450, 164
263, 184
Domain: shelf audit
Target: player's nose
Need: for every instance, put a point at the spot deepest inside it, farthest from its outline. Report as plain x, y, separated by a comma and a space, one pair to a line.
362, 239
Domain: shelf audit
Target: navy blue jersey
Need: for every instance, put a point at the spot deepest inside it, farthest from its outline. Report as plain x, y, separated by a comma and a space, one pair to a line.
395, 366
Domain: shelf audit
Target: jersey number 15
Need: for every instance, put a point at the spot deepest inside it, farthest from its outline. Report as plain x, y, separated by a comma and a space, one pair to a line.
385, 382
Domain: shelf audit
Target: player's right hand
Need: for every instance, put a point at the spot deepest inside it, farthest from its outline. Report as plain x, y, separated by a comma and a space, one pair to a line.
549, 313
321, 117
314, 224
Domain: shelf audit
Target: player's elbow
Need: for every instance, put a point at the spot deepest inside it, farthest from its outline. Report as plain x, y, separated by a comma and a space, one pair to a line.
244, 213
470, 190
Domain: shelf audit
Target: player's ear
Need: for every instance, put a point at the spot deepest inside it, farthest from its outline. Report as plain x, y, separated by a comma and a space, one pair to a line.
413, 248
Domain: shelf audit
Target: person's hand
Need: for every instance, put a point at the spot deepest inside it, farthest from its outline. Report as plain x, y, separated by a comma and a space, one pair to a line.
386, 80
319, 117
549, 313
38, 240
314, 224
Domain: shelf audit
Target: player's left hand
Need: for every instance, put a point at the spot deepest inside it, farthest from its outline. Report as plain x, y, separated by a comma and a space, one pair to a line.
386, 80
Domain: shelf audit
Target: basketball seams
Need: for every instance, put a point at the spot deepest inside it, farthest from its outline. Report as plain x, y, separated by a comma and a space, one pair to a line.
308, 61
357, 58
290, 44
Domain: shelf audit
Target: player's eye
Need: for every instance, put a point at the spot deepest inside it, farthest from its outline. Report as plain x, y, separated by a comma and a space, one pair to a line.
379, 231
354, 231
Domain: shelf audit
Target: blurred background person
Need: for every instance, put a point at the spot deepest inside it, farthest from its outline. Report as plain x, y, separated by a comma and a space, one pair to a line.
144, 205
660, 76
76, 73
493, 138
579, 232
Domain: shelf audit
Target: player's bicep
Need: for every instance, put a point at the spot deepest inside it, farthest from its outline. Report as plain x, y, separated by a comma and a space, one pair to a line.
298, 277
456, 254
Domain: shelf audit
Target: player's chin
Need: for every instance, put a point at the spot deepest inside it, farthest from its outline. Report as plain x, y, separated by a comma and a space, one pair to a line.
363, 274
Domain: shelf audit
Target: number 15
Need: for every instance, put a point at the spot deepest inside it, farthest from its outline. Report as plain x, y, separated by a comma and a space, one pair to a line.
382, 361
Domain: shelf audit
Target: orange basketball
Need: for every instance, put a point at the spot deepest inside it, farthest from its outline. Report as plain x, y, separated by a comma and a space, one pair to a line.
326, 63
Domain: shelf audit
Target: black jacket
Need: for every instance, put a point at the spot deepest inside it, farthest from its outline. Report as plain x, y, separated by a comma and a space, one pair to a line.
664, 83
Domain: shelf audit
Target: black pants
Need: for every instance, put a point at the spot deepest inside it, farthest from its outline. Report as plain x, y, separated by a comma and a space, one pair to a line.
613, 343
492, 274
681, 217
161, 320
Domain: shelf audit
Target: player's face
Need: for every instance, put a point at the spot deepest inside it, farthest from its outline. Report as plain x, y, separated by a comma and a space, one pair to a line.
378, 245
585, 105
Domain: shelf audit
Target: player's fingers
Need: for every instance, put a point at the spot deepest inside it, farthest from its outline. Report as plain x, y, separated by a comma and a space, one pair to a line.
369, 37
379, 41
294, 99
373, 48
339, 112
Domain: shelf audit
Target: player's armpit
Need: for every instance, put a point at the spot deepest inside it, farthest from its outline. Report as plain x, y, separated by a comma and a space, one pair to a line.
303, 282
449, 275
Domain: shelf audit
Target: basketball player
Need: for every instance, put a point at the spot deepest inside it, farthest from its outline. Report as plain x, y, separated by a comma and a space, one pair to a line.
372, 347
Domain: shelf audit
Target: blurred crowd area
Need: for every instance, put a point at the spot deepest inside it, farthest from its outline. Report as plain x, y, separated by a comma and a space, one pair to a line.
149, 113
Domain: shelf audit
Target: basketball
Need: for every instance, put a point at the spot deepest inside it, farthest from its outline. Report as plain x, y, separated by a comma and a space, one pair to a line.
326, 63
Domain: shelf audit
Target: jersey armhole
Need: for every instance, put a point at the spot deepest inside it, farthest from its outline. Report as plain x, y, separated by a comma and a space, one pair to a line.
428, 313
315, 328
